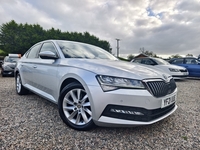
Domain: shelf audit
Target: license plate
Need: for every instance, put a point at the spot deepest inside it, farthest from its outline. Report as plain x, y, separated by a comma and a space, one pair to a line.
168, 101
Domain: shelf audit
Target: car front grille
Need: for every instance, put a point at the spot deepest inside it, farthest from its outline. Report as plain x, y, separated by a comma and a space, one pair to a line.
159, 88
136, 113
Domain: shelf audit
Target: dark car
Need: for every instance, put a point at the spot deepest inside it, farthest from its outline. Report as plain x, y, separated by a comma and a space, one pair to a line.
192, 64
8, 65
1, 61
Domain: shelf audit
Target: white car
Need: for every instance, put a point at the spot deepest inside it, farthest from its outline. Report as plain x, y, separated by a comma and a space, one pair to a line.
177, 72
92, 87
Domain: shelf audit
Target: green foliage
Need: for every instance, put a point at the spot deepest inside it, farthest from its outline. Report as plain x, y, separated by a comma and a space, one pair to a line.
130, 57
175, 56
18, 38
148, 53
185, 138
2, 53
190, 55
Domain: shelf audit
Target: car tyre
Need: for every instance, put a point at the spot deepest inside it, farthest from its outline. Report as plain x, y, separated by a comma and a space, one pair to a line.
2, 74
75, 108
20, 89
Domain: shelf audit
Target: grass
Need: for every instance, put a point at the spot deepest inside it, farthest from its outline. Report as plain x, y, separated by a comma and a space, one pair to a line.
185, 137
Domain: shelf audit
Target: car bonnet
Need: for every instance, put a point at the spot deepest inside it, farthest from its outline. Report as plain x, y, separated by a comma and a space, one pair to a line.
114, 68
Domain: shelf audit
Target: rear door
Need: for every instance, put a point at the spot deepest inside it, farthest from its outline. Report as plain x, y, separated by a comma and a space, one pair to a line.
193, 67
178, 61
27, 70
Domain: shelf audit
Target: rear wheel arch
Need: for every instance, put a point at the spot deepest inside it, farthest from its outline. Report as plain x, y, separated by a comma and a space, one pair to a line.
20, 89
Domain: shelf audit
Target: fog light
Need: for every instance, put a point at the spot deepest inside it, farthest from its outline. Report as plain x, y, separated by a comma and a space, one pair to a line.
129, 112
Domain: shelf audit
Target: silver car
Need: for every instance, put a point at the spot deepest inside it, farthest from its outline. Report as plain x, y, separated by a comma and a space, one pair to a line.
177, 72
92, 87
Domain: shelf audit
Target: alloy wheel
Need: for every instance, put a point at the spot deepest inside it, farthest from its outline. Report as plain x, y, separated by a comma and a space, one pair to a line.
76, 107
18, 83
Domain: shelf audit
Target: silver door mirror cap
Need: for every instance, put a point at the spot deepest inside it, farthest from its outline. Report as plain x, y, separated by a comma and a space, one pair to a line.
48, 55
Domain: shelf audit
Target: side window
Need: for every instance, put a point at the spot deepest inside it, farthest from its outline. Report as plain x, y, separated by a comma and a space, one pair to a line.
148, 62
178, 61
137, 61
48, 47
34, 51
143, 61
191, 61
26, 54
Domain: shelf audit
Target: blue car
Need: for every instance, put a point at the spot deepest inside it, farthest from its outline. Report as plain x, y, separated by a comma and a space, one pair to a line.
192, 64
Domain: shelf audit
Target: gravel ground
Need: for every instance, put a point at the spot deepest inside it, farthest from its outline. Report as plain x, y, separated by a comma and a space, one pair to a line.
30, 122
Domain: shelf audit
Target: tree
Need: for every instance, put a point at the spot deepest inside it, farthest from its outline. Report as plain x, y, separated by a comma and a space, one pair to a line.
189, 55
149, 53
175, 56
130, 57
18, 38
9, 35
2, 53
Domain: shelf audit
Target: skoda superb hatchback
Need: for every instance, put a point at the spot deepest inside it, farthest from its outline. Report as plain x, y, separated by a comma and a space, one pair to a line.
91, 87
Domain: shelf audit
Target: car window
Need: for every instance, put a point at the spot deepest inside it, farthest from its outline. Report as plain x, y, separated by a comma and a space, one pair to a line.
191, 61
137, 60
34, 51
26, 54
160, 61
48, 47
147, 62
11, 59
177, 61
80, 50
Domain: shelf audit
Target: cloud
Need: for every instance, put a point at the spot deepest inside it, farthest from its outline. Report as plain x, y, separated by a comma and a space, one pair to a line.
164, 27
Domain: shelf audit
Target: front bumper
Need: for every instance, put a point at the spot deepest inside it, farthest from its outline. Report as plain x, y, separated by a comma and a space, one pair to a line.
114, 122
180, 75
7, 72
138, 107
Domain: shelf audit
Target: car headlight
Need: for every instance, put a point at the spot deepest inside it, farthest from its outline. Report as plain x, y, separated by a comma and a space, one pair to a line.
173, 70
109, 83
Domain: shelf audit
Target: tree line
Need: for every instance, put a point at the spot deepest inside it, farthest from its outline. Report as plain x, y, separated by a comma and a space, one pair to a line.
18, 38
152, 54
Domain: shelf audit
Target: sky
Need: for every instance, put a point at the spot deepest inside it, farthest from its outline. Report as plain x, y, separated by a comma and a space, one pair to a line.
165, 27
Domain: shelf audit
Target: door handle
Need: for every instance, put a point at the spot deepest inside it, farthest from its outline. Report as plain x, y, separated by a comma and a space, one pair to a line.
34, 66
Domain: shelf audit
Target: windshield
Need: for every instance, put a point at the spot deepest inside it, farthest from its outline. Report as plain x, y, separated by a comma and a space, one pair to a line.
80, 50
11, 59
160, 61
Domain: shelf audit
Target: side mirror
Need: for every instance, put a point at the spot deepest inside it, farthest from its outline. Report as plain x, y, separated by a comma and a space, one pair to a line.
48, 55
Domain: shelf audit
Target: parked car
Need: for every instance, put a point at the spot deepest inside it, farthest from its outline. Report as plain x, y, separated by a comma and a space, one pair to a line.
8, 64
92, 87
192, 64
176, 71
1, 61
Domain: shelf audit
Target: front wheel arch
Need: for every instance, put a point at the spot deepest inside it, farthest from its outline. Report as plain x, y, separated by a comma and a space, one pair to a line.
74, 107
